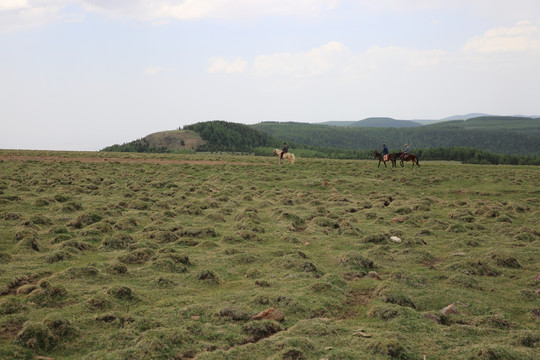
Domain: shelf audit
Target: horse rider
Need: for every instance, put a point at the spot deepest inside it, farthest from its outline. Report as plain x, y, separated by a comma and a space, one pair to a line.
284, 150
385, 152
405, 152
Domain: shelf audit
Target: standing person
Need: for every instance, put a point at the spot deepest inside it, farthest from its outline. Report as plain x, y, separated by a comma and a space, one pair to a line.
406, 152
284, 150
385, 152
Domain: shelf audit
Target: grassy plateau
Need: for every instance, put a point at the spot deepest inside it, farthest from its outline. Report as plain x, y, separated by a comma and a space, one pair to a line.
169, 256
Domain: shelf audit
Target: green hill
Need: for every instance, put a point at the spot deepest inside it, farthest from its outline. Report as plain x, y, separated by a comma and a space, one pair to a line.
164, 141
176, 139
226, 136
501, 135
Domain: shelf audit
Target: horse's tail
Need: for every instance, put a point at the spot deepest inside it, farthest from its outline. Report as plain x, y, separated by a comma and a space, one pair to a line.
293, 159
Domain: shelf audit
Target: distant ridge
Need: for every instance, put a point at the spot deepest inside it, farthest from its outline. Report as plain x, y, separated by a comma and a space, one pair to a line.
465, 117
374, 122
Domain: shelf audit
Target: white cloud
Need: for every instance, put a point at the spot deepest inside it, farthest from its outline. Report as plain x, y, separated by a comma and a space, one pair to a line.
10, 5
23, 14
523, 37
198, 9
219, 64
335, 59
317, 61
153, 70
74, 18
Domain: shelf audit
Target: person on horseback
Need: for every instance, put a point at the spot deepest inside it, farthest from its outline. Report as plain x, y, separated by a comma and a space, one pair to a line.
405, 152
284, 150
385, 152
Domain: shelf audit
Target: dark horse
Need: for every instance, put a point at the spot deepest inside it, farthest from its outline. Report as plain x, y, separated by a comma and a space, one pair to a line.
391, 157
409, 157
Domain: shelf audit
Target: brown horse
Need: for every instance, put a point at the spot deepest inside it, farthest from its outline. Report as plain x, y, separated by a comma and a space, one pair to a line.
391, 157
287, 155
409, 157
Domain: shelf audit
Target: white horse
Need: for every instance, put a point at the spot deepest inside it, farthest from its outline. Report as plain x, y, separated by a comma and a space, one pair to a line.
287, 155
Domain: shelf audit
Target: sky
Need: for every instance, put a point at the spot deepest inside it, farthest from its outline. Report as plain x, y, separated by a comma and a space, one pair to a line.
86, 74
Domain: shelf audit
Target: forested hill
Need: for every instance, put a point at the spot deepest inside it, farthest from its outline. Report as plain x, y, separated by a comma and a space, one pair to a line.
500, 135
226, 136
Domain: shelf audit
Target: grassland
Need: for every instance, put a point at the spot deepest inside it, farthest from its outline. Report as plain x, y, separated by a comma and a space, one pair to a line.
133, 256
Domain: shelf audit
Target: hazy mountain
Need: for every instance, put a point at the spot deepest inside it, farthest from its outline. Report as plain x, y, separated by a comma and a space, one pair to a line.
464, 117
374, 122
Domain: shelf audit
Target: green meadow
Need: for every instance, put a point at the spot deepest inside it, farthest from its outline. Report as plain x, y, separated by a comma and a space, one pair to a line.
171, 256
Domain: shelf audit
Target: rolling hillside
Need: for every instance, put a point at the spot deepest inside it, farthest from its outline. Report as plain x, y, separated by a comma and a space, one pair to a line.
176, 139
524, 125
501, 135
164, 141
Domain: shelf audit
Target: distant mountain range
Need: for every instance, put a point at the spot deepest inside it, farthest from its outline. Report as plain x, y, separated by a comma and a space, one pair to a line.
394, 123
375, 122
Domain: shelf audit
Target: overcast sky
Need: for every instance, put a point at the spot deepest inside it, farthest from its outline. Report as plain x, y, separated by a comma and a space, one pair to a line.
85, 74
